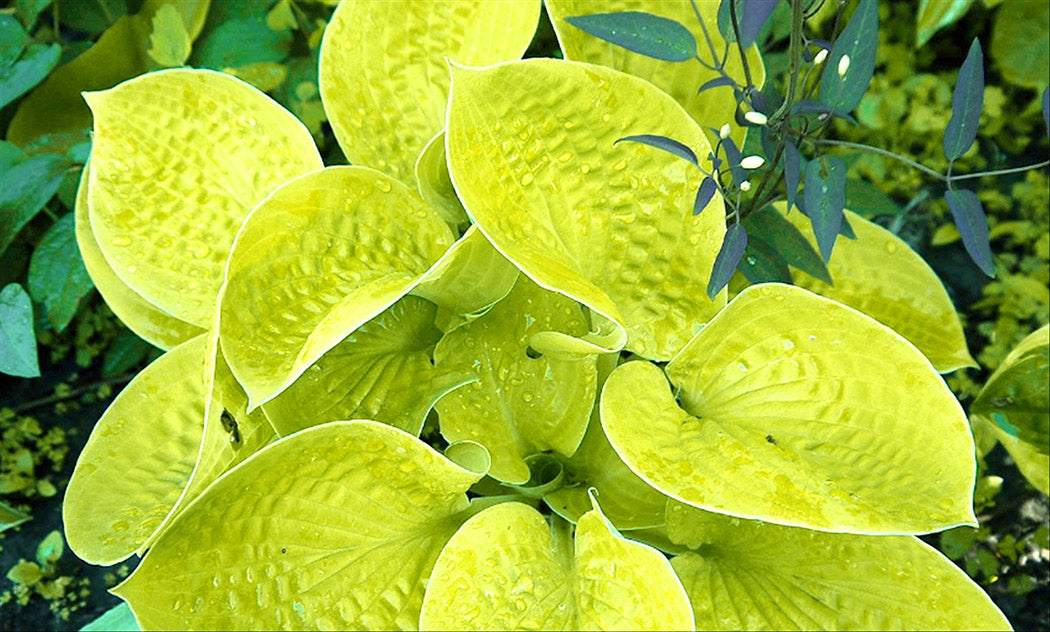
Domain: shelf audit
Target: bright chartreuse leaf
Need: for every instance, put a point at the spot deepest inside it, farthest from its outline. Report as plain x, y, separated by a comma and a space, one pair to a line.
170, 43
531, 151
794, 409
435, 185
382, 371
383, 75
507, 568
140, 316
17, 338
117, 619
1021, 42
712, 108
179, 157
138, 458
750, 575
320, 257
18, 78
936, 14
355, 515
1016, 397
520, 405
57, 277
880, 275
11, 517
26, 186
467, 281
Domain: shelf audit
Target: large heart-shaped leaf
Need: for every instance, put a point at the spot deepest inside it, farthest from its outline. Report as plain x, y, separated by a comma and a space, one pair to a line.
320, 257
749, 575
519, 405
508, 569
337, 526
797, 410
383, 75
179, 158
532, 155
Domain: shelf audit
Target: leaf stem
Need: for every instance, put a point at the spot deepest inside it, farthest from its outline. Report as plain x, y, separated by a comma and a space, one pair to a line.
53, 399
881, 152
1000, 172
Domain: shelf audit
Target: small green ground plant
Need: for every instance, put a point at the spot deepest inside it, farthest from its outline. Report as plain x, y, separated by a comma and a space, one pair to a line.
474, 380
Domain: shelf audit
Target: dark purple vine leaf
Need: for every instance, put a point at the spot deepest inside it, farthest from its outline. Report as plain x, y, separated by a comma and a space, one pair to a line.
751, 16
640, 32
716, 162
704, 193
1046, 110
973, 227
715, 83
792, 171
733, 157
733, 245
825, 200
669, 145
859, 40
967, 101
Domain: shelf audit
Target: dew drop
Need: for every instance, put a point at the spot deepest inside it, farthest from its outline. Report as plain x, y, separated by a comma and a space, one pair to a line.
788, 345
585, 168
383, 185
620, 166
198, 249
891, 247
122, 240
526, 179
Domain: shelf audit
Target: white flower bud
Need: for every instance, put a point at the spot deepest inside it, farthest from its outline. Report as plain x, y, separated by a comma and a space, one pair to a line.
745, 186
843, 65
724, 132
755, 117
821, 55
752, 162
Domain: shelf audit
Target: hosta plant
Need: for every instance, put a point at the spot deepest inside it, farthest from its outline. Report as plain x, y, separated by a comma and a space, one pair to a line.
474, 380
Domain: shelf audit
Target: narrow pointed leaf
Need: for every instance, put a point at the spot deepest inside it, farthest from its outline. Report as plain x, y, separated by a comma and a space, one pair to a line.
17, 338
669, 145
859, 40
704, 194
350, 508
768, 225
729, 255
733, 157
1015, 398
382, 118
795, 409
752, 15
792, 172
895, 286
967, 101
639, 32
752, 575
825, 198
762, 263
973, 227
507, 568
716, 82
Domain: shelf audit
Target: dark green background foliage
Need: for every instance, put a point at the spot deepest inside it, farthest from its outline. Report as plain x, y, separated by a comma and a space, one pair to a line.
86, 355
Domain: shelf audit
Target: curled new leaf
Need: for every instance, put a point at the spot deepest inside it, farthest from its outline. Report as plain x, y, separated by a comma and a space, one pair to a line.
639, 32
967, 101
973, 227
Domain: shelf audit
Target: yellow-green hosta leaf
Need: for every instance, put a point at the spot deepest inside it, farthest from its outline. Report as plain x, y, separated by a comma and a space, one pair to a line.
749, 575
532, 153
141, 316
879, 274
711, 108
508, 569
435, 185
520, 405
383, 74
469, 280
179, 158
381, 371
138, 458
320, 257
799, 411
1035, 465
1016, 398
335, 527
627, 500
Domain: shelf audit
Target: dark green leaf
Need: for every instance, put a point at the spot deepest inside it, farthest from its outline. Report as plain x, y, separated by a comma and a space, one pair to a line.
859, 41
31, 69
117, 619
772, 228
26, 188
867, 200
17, 339
825, 199
716, 82
13, 39
729, 255
704, 193
240, 42
126, 352
967, 101
91, 16
973, 227
57, 277
642, 33
792, 171
762, 263
669, 145
27, 10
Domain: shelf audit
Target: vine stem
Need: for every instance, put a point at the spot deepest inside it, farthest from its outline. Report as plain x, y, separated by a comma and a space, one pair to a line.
54, 399
1001, 172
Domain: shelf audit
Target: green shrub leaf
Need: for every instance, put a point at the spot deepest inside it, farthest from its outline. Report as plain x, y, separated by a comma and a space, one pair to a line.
28, 184
57, 277
20, 77
17, 339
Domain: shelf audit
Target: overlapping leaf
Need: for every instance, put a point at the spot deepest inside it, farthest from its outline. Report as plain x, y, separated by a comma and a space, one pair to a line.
320, 257
880, 275
179, 158
140, 316
508, 569
800, 411
749, 575
337, 526
531, 153
1015, 398
382, 371
384, 79
139, 458
710, 108
435, 186
519, 405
